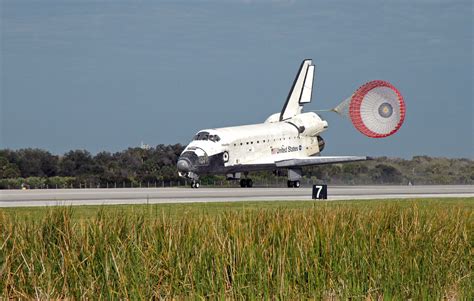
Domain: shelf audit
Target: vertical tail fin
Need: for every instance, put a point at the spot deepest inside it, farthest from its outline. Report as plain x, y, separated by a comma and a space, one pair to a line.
301, 91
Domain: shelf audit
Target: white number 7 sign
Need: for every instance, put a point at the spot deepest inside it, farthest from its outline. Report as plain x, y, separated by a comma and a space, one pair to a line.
320, 192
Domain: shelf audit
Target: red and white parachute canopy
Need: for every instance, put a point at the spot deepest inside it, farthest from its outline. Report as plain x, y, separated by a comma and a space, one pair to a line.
376, 109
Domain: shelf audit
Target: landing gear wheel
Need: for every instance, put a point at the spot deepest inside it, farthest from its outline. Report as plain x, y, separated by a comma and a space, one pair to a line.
295, 184
246, 183
195, 184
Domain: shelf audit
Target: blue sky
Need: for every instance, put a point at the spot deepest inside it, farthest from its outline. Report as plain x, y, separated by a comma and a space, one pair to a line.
106, 75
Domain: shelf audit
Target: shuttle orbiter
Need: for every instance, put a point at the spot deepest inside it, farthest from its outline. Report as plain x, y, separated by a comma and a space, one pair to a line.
290, 139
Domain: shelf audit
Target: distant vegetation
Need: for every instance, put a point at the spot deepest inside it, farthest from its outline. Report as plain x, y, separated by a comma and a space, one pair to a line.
372, 250
157, 166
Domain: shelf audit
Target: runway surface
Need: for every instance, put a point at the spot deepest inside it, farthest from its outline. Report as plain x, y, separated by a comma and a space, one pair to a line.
28, 198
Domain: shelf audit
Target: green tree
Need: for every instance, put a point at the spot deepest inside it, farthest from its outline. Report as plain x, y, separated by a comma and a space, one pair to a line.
36, 163
10, 171
76, 163
386, 174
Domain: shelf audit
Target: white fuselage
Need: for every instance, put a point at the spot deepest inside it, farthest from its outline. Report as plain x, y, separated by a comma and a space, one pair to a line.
236, 149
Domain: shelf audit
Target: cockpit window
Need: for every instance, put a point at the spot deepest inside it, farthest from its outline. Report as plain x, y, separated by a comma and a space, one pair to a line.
214, 138
205, 136
202, 136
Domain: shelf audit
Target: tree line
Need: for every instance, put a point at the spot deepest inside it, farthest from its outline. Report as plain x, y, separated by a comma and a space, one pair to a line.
39, 168
134, 167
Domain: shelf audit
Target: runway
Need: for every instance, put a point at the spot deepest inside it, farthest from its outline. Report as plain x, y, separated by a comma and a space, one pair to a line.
51, 197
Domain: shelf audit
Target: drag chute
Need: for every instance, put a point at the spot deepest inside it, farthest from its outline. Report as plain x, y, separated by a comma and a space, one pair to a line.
376, 109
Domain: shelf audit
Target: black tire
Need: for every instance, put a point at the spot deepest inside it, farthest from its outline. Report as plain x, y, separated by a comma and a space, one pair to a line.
243, 183
249, 183
195, 184
297, 184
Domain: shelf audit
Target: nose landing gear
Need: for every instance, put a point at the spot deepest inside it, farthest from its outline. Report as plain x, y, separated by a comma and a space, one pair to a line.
194, 179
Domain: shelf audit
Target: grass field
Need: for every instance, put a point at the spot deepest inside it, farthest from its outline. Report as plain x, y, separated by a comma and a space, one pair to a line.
419, 249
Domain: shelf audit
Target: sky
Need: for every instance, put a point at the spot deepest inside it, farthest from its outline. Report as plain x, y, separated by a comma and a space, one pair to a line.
107, 75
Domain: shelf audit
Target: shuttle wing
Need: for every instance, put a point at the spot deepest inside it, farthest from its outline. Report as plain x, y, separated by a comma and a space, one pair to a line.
300, 92
319, 160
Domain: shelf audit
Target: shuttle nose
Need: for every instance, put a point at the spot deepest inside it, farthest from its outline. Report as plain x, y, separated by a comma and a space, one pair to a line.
184, 165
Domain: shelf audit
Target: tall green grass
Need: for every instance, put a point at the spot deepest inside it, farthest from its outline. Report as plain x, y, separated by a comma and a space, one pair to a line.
370, 250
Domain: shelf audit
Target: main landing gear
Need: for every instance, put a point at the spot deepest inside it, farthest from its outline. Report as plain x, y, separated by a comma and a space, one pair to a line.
246, 183
195, 184
295, 184
294, 176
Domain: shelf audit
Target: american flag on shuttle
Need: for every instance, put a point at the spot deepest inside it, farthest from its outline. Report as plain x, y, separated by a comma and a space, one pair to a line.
274, 151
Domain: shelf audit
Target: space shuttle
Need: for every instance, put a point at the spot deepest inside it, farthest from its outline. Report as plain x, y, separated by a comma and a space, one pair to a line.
290, 139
